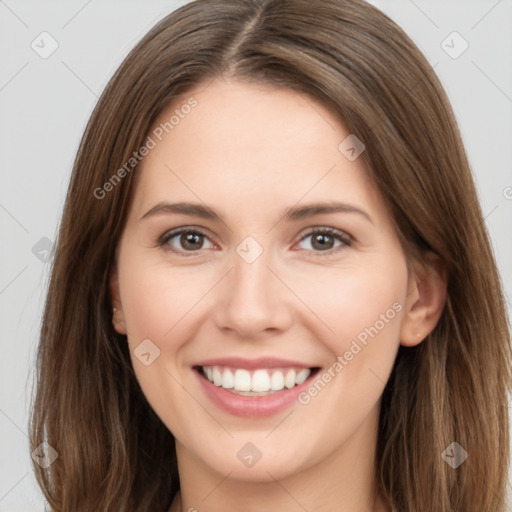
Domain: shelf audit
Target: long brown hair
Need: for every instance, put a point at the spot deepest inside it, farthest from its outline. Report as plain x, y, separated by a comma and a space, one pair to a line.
114, 453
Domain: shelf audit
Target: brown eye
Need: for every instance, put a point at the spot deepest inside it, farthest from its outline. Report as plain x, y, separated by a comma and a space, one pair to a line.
325, 240
322, 241
191, 241
185, 240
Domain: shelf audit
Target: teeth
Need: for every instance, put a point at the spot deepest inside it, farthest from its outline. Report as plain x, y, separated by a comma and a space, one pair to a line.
302, 376
260, 381
277, 381
242, 380
217, 376
228, 380
289, 380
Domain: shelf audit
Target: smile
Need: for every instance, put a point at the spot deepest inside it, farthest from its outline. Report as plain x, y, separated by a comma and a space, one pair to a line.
253, 388
257, 382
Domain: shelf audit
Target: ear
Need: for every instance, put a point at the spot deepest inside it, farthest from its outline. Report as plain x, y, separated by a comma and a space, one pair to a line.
425, 300
118, 319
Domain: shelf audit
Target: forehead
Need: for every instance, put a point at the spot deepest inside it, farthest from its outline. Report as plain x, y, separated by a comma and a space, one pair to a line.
255, 117
235, 142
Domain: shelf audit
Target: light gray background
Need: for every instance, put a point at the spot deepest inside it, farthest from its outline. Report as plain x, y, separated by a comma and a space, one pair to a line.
45, 104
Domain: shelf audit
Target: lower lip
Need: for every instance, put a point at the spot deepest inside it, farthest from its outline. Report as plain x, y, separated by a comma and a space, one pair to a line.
251, 406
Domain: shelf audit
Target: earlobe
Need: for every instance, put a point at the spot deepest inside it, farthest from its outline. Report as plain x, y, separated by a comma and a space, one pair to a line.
425, 301
118, 320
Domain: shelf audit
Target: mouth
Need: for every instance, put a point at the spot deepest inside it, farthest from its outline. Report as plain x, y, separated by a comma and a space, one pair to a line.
257, 382
253, 388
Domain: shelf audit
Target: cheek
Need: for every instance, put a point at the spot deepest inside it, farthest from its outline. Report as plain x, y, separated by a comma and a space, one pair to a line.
356, 303
157, 304
156, 298
364, 309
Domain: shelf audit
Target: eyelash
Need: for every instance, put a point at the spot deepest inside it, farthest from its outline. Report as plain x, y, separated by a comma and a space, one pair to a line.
344, 238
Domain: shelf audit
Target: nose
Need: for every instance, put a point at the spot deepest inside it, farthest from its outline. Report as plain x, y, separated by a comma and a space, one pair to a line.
253, 301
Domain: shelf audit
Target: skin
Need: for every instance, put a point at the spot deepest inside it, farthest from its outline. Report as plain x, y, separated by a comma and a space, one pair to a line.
250, 151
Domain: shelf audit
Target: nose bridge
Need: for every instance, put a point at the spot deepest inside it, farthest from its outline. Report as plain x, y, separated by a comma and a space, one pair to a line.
251, 301
251, 278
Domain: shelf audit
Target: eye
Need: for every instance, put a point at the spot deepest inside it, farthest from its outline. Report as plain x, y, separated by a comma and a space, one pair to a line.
184, 240
326, 240
323, 241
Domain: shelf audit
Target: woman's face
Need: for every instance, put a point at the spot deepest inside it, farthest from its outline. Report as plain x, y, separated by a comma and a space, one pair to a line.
257, 254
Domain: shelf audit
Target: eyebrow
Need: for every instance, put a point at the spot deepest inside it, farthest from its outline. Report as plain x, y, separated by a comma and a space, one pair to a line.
292, 213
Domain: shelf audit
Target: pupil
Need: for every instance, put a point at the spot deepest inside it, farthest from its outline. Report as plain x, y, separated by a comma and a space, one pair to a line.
189, 239
323, 240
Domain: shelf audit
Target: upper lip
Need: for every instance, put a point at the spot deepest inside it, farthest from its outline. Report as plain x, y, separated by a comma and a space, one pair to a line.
253, 364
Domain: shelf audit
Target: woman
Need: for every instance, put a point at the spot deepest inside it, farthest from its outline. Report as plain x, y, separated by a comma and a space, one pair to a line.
272, 284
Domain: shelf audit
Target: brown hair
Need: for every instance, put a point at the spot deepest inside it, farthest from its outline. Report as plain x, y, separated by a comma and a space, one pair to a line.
114, 452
